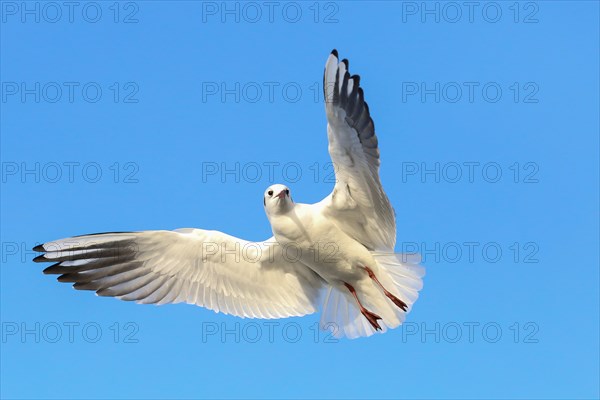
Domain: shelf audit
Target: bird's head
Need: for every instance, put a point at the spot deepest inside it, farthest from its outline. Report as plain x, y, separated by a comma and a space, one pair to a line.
277, 199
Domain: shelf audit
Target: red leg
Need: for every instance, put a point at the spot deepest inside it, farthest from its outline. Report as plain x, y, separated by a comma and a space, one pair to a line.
393, 298
370, 316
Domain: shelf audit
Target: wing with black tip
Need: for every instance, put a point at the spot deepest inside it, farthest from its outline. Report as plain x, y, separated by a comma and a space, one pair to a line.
206, 268
358, 203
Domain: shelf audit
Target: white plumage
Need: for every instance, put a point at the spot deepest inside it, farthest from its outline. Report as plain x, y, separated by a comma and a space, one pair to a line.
339, 251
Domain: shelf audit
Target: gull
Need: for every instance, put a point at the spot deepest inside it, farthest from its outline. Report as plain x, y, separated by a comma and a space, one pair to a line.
336, 255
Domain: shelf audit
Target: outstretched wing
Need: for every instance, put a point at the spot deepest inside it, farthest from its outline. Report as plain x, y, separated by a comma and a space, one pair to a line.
358, 203
206, 268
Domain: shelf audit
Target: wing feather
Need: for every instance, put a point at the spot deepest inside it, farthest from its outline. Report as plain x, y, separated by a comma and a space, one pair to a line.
188, 265
358, 203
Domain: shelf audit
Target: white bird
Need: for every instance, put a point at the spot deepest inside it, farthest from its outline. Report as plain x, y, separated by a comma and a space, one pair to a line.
338, 252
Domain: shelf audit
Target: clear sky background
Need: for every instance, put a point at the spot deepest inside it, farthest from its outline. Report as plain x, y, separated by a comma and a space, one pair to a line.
488, 125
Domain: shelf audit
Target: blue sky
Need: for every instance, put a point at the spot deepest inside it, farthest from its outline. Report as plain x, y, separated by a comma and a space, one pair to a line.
161, 115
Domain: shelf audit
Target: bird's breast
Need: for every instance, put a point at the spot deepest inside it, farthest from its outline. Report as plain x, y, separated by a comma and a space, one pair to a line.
312, 237
293, 228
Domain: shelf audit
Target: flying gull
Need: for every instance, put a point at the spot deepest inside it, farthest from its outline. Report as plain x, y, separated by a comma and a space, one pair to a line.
337, 254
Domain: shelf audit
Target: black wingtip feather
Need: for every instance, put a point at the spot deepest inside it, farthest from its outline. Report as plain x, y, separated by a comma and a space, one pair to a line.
335, 53
105, 292
39, 247
40, 258
345, 61
64, 278
85, 286
53, 269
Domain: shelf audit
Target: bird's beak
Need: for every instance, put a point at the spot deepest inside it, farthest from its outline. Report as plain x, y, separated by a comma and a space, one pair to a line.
281, 194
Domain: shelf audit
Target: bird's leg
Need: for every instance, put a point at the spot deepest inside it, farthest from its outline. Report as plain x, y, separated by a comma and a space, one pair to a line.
393, 298
370, 316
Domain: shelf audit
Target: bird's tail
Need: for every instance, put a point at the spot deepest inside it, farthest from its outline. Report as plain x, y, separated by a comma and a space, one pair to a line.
399, 273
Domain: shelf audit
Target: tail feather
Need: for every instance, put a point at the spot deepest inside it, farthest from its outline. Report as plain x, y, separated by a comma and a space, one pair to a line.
406, 278
400, 274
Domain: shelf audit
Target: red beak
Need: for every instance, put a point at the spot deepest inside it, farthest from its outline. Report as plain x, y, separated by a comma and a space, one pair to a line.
281, 194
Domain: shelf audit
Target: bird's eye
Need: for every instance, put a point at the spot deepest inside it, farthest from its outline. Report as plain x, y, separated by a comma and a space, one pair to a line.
287, 191
270, 193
